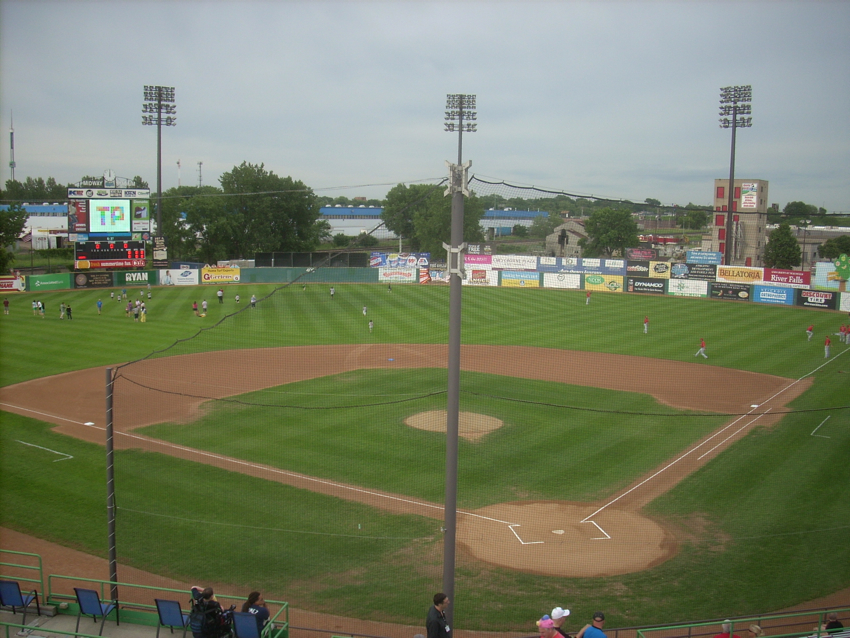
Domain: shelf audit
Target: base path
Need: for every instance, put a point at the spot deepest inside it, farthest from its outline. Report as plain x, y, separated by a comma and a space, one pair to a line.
553, 537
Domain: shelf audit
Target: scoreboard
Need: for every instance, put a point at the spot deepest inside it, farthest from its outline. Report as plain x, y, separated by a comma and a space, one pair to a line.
109, 254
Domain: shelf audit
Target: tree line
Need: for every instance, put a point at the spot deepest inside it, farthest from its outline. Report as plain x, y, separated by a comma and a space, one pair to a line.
254, 210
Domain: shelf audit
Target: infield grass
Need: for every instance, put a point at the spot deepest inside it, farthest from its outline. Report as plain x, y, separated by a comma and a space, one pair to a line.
763, 526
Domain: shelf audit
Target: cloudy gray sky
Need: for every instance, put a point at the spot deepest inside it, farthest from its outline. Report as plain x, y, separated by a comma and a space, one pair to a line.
615, 99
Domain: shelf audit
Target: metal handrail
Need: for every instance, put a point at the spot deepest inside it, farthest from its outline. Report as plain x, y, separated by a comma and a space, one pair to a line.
39, 569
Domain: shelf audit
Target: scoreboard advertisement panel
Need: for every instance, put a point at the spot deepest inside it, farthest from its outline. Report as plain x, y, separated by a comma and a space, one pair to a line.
109, 254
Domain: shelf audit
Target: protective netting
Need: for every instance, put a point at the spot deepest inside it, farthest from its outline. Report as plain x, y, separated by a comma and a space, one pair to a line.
297, 446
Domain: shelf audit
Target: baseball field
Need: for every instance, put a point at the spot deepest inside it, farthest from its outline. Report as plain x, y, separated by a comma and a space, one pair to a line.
290, 449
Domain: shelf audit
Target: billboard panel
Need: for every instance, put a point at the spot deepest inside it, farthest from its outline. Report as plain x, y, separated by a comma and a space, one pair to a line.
78, 216
398, 274
773, 294
93, 280
606, 283
642, 284
137, 278
224, 275
749, 195
141, 215
687, 288
817, 299
520, 279
179, 277
730, 291
481, 277
479, 261
571, 281
48, 282
659, 269
702, 272
793, 278
514, 262
641, 254
740, 274
703, 257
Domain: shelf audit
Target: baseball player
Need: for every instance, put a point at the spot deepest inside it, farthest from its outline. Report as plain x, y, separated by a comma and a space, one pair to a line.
826, 345
810, 331
701, 350
645, 324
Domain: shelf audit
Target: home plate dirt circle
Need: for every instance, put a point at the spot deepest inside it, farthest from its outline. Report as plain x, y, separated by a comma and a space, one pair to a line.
550, 538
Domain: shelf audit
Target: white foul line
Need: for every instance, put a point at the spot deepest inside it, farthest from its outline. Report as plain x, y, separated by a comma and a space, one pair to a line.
47, 449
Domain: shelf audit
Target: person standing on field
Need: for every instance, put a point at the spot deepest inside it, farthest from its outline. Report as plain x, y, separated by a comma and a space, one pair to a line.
68, 311
253, 301
220, 294
701, 350
645, 324
332, 292
195, 307
371, 326
204, 306
826, 345
810, 331
5, 306
99, 306
34, 308
587, 299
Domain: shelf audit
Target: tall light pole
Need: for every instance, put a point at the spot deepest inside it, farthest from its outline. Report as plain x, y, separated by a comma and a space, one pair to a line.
460, 117
12, 146
159, 102
734, 101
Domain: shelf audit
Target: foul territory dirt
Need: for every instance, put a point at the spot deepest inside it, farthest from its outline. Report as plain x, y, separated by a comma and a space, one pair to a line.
547, 537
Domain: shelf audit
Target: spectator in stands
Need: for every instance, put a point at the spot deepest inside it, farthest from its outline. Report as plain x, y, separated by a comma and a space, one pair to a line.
547, 628
559, 615
727, 630
257, 606
755, 631
832, 624
435, 623
594, 630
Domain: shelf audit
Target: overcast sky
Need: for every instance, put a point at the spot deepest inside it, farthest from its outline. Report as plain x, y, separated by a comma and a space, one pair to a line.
614, 99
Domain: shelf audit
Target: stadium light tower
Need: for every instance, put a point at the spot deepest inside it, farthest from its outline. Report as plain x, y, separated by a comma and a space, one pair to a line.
460, 117
734, 101
12, 146
159, 109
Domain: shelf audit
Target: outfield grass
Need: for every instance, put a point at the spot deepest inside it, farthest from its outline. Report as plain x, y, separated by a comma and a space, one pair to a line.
764, 525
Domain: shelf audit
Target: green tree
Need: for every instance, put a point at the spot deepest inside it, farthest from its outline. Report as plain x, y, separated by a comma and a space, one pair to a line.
519, 230
400, 207
609, 231
341, 240
799, 210
268, 213
432, 224
184, 212
35, 191
834, 247
544, 225
695, 219
12, 221
782, 249
652, 202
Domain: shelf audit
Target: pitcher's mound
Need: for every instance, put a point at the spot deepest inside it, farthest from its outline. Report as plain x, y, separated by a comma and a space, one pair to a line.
470, 425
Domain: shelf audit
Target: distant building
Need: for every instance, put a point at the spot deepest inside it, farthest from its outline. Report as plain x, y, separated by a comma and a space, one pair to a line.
46, 225
564, 241
749, 221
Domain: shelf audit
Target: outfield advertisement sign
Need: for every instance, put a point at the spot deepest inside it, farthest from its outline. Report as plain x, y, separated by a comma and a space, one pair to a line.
93, 280
826, 276
792, 278
514, 262
181, 277
845, 302
637, 268
481, 277
135, 278
687, 288
740, 274
478, 261
642, 284
731, 291
817, 299
605, 283
220, 275
397, 274
702, 272
593, 266
659, 269
703, 257
773, 294
520, 279
48, 282
641, 254
12, 284
547, 264
571, 281
399, 260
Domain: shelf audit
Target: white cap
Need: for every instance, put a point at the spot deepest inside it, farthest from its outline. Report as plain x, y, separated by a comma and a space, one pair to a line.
559, 613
